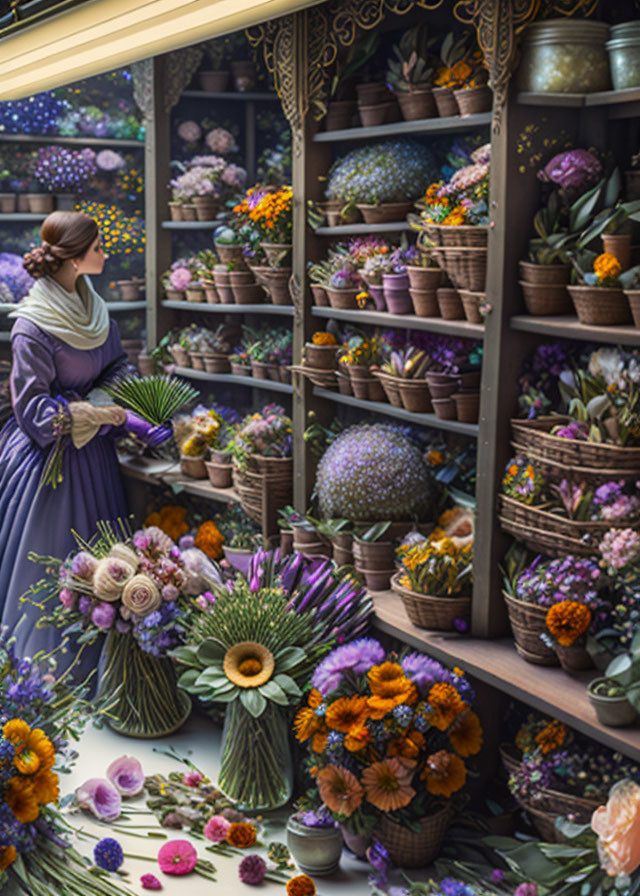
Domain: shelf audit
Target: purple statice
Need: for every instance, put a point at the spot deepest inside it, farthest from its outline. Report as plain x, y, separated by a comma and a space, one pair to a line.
575, 430
160, 631
611, 502
317, 818
108, 854
38, 114
103, 616
575, 169
424, 671
356, 657
15, 282
62, 170
545, 582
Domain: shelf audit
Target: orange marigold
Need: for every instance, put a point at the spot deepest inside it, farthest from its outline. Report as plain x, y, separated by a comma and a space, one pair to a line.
8, 855
567, 620
241, 834
606, 267
20, 798
551, 737
466, 734
389, 687
347, 713
444, 774
209, 539
445, 705
301, 885
322, 338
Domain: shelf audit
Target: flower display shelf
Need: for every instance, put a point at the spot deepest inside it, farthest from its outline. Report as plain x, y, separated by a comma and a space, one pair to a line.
326, 379
167, 474
432, 612
620, 103
348, 229
379, 407
528, 622
536, 435
235, 96
404, 321
551, 534
191, 225
270, 385
267, 486
568, 327
282, 310
451, 125
52, 139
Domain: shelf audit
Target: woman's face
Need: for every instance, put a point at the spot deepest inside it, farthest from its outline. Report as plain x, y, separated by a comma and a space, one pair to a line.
94, 258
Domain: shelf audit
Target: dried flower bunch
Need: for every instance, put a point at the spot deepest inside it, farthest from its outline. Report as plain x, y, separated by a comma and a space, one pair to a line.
441, 564
463, 199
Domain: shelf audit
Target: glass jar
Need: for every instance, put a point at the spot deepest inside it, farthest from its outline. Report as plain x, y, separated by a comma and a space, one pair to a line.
624, 55
564, 56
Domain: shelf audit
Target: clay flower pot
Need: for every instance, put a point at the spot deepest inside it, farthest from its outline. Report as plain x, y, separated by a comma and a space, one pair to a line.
445, 102
342, 299
618, 244
320, 297
425, 302
214, 81
600, 306
549, 274
340, 115
194, 467
220, 475
614, 712
223, 287
417, 104
40, 203
445, 408
546, 299
322, 357
424, 278
381, 113
8, 203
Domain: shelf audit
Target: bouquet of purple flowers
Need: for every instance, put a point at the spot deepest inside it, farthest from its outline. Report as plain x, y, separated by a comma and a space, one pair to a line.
61, 170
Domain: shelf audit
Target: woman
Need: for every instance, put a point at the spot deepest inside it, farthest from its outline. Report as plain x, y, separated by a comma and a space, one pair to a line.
64, 346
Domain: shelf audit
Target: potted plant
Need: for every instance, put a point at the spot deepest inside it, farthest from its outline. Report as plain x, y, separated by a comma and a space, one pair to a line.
359, 354
315, 841
376, 264
242, 537
598, 297
374, 557
63, 171
395, 281
568, 622
215, 79
403, 374
473, 95
411, 813
229, 247
341, 107
343, 286
195, 436
411, 74
200, 185
176, 280
610, 701
273, 216
454, 69
320, 353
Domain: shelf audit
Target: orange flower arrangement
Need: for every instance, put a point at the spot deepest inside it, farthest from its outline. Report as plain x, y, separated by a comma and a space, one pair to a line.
8, 855
241, 834
567, 620
272, 215
171, 518
551, 737
301, 885
322, 338
606, 267
35, 784
209, 540
387, 723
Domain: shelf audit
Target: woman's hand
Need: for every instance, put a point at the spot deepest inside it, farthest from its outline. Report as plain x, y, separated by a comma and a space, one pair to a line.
117, 415
147, 432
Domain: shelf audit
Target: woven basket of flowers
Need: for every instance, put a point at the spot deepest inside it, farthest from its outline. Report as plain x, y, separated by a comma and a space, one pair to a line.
537, 435
415, 849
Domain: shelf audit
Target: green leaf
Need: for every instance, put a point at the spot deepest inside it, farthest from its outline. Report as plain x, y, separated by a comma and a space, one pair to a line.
213, 679
619, 668
186, 656
210, 651
289, 658
188, 678
583, 208
226, 696
253, 702
288, 684
612, 188
273, 691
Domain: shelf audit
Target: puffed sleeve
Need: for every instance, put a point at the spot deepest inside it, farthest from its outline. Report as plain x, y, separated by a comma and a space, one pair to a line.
40, 415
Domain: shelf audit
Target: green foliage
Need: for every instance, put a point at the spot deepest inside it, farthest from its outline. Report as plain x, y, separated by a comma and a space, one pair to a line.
154, 398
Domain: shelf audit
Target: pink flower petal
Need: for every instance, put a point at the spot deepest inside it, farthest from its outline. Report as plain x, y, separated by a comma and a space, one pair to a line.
100, 797
177, 857
127, 776
217, 828
150, 882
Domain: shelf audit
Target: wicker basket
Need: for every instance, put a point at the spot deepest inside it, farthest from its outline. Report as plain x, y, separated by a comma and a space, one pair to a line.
390, 384
548, 533
386, 213
544, 299
465, 235
267, 482
473, 100
600, 456
511, 758
553, 805
600, 306
528, 623
555, 471
415, 849
435, 613
466, 266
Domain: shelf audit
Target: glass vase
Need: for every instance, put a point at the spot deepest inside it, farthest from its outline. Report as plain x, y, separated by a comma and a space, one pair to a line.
256, 768
139, 691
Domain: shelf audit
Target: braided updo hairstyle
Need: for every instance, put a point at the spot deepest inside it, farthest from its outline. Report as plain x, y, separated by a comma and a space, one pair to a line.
64, 235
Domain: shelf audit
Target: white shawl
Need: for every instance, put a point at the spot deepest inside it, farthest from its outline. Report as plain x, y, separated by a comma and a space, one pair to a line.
80, 319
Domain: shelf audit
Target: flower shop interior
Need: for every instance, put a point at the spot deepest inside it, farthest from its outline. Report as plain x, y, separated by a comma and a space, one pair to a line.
371, 625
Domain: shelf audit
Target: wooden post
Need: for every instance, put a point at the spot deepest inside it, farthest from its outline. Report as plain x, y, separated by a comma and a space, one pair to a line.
157, 152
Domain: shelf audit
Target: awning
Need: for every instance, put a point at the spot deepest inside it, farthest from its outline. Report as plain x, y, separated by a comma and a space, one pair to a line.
104, 34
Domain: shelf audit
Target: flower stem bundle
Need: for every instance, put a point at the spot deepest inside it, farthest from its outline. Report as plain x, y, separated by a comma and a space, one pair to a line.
154, 398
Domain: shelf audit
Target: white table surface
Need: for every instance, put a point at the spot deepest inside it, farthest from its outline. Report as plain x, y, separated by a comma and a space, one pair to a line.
200, 740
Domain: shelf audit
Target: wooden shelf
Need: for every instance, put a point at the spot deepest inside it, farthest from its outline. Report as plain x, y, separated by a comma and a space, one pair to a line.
256, 96
572, 100
191, 225
167, 473
283, 310
381, 407
127, 306
22, 216
249, 381
568, 327
410, 321
450, 125
619, 103
496, 662
72, 141
348, 229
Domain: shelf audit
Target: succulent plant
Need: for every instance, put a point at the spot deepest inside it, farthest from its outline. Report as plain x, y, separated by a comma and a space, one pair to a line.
391, 171
374, 472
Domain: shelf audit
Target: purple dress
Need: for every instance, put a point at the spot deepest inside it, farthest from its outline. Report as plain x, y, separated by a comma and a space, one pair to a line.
44, 367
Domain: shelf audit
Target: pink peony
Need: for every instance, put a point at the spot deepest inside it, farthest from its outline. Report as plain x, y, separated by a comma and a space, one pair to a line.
68, 598
217, 828
190, 131
100, 797
150, 882
576, 168
180, 278
177, 857
192, 779
618, 828
127, 776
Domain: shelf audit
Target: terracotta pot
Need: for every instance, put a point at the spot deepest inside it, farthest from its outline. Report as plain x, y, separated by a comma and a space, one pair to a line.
189, 212
385, 213
216, 363
424, 278
244, 74
129, 290
382, 113
175, 211
146, 364
7, 203
194, 467
344, 384
248, 294
214, 81
220, 457
471, 303
342, 299
315, 549
197, 361
211, 293
443, 390
277, 284
23, 202
374, 554
618, 244
195, 294
450, 304
240, 369
633, 297
474, 100
415, 396
180, 356
391, 387
373, 93
230, 254
342, 557
377, 579
445, 408
174, 295
340, 115
286, 542
223, 287
375, 392
467, 406
600, 305
425, 302
398, 300
40, 203
278, 254
320, 297
337, 213
376, 291
470, 381
544, 299
220, 475
574, 657
207, 208
550, 274
321, 357
445, 102
259, 370
417, 104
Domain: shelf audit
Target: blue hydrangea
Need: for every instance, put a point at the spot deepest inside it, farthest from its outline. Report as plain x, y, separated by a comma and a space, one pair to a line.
15, 282
108, 854
37, 114
160, 631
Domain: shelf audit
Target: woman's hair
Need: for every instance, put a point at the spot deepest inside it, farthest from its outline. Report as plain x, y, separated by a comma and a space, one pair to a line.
64, 235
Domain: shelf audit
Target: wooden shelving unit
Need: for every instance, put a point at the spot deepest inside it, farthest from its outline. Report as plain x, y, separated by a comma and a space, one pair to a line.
167, 473
404, 321
454, 124
354, 229
278, 310
106, 142
23, 217
233, 96
248, 381
568, 327
191, 225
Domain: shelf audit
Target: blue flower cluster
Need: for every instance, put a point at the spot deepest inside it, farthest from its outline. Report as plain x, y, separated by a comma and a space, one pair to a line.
37, 114
391, 171
160, 631
15, 282
62, 170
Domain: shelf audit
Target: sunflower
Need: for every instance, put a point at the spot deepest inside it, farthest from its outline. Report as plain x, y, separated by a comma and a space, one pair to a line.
466, 734
20, 798
444, 773
347, 713
567, 620
445, 705
339, 789
8, 855
551, 737
248, 664
387, 784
